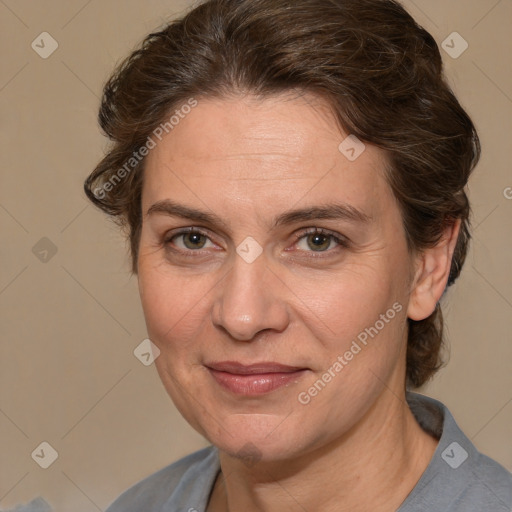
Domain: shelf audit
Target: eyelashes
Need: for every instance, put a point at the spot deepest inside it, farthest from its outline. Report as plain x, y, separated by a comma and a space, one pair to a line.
193, 235
319, 234
194, 242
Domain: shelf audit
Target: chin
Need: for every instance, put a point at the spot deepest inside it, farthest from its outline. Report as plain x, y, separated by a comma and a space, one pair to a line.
258, 438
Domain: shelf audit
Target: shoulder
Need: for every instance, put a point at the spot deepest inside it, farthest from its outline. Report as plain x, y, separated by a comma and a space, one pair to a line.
184, 480
490, 486
459, 478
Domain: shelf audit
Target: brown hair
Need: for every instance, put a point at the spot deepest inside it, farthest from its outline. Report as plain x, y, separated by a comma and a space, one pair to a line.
379, 71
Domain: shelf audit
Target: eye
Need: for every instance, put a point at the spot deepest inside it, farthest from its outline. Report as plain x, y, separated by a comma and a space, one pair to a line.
190, 239
319, 240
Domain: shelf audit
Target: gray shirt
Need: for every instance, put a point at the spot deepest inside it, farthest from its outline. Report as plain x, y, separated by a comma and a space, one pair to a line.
457, 479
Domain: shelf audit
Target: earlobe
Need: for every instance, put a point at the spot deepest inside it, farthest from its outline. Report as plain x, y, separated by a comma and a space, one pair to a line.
432, 272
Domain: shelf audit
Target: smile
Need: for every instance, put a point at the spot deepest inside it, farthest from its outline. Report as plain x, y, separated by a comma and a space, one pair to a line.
255, 379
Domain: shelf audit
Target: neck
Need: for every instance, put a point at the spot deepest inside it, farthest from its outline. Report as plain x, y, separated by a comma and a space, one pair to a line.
374, 467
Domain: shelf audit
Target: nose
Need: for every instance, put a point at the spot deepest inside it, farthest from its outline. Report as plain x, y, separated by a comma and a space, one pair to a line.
250, 300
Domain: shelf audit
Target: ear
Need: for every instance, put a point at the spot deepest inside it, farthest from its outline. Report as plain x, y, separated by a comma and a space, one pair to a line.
432, 272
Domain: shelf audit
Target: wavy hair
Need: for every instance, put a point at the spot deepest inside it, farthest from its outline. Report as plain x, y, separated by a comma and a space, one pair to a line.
380, 72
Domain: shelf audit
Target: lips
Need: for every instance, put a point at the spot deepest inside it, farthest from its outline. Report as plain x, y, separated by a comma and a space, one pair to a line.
253, 379
252, 369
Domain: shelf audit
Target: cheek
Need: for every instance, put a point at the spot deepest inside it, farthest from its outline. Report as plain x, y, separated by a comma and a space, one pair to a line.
357, 315
349, 301
175, 307
175, 311
363, 347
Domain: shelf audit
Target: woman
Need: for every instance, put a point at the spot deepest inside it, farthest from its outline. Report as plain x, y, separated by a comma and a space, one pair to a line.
292, 178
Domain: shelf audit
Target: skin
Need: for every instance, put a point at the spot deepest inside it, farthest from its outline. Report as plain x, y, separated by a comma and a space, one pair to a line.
247, 161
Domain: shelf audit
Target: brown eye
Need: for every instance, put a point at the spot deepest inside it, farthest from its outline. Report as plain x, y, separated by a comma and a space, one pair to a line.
194, 240
189, 240
318, 242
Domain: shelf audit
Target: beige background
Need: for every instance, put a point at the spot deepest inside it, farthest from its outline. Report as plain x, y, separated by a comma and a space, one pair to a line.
68, 375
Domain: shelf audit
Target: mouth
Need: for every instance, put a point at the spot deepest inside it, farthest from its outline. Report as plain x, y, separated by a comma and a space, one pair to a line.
254, 379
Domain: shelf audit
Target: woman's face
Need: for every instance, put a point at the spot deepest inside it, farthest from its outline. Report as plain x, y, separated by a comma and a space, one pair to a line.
234, 280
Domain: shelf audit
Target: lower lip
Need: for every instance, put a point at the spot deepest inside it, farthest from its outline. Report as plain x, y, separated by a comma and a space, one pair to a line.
257, 384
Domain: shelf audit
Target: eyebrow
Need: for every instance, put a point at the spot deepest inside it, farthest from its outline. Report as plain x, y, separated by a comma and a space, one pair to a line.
330, 211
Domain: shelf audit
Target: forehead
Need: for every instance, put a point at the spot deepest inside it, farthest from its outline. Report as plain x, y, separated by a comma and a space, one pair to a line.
281, 148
